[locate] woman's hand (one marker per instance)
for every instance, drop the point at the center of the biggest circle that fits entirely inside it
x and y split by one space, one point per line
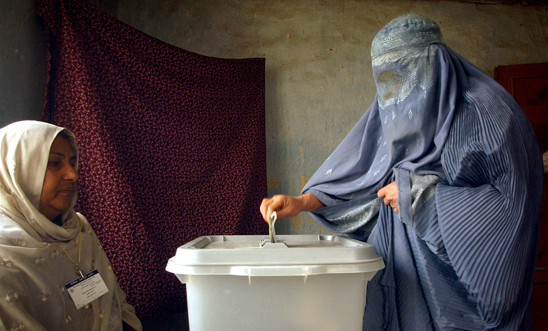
390 195
287 206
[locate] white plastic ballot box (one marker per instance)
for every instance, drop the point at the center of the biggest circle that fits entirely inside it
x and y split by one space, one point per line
301 282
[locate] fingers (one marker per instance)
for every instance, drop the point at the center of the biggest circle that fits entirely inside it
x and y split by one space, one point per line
268 206
394 206
392 203
382 193
271 208
389 194
387 198
284 205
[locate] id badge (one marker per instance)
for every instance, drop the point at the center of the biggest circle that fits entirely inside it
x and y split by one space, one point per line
87 289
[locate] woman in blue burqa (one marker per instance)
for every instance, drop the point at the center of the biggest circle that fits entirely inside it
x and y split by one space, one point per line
443 176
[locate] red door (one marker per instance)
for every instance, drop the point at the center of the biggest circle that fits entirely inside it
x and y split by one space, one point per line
528 83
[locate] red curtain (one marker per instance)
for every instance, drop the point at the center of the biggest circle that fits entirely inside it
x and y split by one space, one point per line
172 143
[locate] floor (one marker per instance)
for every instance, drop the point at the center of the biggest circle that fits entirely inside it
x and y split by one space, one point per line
170 323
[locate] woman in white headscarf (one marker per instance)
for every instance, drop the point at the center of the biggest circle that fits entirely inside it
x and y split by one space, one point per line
443 176
54 274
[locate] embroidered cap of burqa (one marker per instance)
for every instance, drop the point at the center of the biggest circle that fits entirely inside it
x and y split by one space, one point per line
469 178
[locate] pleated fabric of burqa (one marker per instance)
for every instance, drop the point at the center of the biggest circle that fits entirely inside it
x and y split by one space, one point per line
460 253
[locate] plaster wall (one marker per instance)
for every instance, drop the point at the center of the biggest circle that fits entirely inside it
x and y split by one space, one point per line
318 73
22 62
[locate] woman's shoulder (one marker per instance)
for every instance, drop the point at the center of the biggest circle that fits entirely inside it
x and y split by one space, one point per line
11 232
81 218
86 226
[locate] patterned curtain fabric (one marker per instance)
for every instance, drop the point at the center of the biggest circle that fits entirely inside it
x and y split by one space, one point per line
172 143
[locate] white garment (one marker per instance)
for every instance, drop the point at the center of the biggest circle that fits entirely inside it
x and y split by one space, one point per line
35 253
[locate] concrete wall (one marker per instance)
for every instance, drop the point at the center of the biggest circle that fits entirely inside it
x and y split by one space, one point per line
22 62
318 72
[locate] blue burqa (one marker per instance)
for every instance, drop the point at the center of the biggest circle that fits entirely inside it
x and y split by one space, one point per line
460 253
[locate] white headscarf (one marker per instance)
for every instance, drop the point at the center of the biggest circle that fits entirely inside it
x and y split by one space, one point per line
24 151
